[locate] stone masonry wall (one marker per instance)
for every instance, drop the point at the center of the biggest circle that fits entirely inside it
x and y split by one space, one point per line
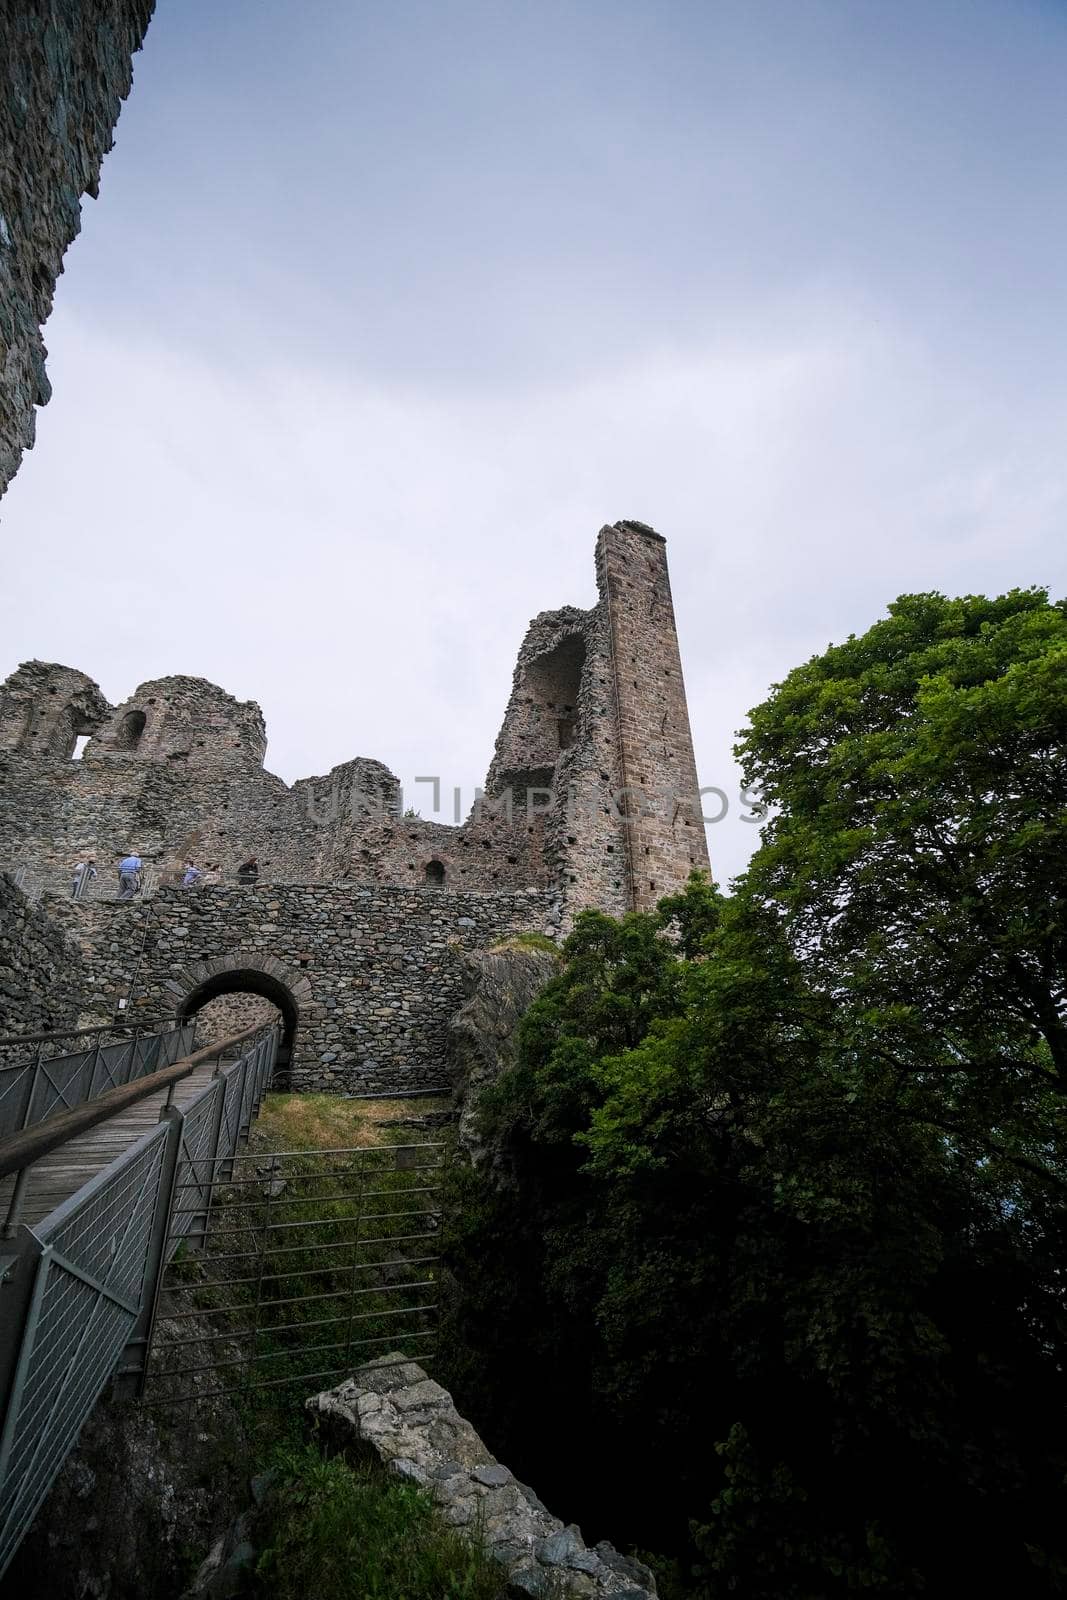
393 1411
370 970
590 800
177 772
591 793
65 68
41 977
665 833
233 1013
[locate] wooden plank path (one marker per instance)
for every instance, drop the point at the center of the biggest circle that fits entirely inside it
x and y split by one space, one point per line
56 1176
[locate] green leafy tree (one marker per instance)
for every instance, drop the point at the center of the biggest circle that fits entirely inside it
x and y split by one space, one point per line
919 850
783 1234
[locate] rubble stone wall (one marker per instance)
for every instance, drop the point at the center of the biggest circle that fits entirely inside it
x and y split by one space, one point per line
591 792
41 978
65 69
393 1411
590 800
233 1013
371 974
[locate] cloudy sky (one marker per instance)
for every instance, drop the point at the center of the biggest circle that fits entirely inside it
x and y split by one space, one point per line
386 307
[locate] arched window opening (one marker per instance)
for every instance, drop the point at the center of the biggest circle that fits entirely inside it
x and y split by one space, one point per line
130 730
434 873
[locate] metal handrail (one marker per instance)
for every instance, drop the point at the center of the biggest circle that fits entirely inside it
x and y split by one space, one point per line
79 1289
80 1033
21 1150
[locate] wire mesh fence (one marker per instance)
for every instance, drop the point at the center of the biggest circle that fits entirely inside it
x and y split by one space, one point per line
85 1302
81 1288
307 1264
46 1074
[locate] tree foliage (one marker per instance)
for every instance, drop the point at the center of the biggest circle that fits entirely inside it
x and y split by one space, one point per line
782 1250
918 851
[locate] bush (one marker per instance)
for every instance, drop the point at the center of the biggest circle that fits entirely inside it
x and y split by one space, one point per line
345 1532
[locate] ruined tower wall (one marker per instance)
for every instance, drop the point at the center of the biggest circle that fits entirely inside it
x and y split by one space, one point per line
585 836
591 793
664 832
176 771
352 926
44 707
65 69
185 721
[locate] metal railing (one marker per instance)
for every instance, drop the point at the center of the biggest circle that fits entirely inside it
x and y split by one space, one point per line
44 1074
299 1265
78 1291
35 880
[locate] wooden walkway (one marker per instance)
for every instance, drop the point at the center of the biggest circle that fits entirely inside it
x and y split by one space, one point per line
58 1175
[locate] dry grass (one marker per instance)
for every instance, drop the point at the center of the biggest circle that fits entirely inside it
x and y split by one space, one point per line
326 1122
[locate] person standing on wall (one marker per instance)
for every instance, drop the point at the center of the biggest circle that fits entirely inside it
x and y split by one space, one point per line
191 875
84 873
129 876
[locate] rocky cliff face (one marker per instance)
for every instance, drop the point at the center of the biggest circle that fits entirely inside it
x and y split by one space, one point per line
501 985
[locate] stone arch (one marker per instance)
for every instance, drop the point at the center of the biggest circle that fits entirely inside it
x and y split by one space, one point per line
240 972
434 873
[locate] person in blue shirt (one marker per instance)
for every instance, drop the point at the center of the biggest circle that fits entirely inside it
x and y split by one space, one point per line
191 874
129 876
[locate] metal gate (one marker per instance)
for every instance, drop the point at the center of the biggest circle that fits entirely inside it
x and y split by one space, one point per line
294 1267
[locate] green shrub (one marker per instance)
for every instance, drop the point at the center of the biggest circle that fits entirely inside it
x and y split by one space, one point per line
344 1532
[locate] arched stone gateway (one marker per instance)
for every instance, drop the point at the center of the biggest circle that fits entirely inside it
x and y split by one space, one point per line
241 972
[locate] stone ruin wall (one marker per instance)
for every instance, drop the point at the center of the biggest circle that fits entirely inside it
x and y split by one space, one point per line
65 69
42 981
228 1014
665 831
375 972
597 709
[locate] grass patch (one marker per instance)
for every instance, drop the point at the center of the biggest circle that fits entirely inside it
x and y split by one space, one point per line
326 1122
526 941
316 1260
347 1532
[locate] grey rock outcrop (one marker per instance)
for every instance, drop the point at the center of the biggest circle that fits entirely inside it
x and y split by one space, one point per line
391 1409
501 985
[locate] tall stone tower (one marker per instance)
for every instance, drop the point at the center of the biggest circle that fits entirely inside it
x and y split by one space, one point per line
663 830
